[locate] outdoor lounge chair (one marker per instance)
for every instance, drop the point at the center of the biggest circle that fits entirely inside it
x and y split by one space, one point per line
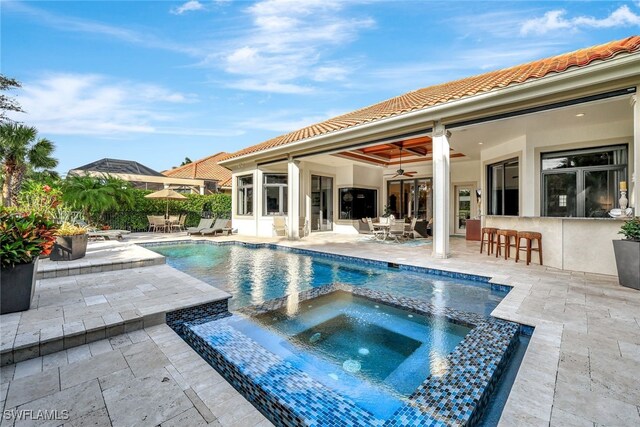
279 226
107 234
220 226
202 225
378 234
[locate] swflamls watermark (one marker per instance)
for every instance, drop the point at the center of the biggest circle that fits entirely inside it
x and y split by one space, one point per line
39 414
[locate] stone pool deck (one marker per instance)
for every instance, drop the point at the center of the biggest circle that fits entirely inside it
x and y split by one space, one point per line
582 366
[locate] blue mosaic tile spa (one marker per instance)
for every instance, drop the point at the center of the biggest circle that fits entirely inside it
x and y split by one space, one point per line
361 353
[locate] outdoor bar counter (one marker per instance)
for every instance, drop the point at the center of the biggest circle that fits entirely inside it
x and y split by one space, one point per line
578 244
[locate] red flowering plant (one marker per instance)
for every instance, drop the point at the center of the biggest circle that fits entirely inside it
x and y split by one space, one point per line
38 198
24 237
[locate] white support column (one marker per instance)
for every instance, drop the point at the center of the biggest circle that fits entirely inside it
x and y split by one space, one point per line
441 180
634 196
293 199
202 190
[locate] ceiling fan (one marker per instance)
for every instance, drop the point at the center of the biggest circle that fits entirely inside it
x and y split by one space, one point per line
400 171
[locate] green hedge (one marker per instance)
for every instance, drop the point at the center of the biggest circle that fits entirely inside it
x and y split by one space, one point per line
135 218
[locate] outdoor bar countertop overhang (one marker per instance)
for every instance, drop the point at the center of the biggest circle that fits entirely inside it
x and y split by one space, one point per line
569 243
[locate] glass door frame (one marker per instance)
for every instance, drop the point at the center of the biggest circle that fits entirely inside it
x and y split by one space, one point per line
471 186
329 205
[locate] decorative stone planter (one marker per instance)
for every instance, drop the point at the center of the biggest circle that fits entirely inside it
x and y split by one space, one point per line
68 248
17 285
628 262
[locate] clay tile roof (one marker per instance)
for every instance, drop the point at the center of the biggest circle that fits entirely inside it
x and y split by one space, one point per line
450 91
206 168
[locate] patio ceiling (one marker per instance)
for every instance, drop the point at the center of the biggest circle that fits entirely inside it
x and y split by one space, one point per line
413 150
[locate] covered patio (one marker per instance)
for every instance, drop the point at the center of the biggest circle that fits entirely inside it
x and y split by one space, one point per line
542 147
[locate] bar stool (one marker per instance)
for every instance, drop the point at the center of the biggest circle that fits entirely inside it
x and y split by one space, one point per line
490 232
529 236
508 234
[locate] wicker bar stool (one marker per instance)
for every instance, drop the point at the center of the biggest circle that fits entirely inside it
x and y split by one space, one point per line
507 234
490 233
529 236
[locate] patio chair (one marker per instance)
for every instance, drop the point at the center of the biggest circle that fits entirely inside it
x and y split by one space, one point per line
178 224
279 226
397 231
220 226
411 228
156 223
202 225
303 227
378 234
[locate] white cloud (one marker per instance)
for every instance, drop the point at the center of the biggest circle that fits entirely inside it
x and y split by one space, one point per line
286 48
190 6
556 20
90 104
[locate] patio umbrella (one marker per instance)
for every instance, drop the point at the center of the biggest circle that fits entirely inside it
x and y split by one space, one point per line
166 194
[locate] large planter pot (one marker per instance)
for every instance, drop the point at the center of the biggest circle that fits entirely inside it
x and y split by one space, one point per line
17 285
68 248
628 262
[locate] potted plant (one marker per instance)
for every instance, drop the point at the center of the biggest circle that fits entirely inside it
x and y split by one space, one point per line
627 252
71 243
23 237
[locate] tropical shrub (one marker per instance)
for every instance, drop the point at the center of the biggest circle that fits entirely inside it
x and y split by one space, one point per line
24 237
95 195
631 229
40 199
20 152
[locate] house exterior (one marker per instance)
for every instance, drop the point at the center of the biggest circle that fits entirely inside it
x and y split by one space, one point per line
545 146
217 178
140 176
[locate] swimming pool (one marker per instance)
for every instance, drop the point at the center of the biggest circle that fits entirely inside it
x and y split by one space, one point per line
293 361
256 274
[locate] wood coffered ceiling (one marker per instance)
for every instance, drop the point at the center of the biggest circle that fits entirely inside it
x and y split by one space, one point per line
413 150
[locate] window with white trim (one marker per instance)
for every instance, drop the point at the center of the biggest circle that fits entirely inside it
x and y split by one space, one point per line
245 195
274 200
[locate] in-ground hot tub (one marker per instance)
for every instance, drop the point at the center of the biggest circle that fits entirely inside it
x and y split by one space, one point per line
342 355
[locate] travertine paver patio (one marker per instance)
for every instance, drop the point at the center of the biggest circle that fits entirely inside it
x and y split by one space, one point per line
146 377
581 367
72 310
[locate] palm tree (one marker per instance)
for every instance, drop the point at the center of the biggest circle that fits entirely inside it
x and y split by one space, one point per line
96 194
21 149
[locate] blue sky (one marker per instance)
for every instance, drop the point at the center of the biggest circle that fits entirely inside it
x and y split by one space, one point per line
155 81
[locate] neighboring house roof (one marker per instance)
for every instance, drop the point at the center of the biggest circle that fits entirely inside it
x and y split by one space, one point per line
206 168
113 166
450 91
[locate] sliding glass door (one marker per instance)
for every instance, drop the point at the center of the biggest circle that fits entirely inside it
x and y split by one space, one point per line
321 203
410 198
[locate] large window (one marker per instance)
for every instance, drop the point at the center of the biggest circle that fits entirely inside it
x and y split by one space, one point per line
357 203
582 183
408 198
504 188
245 195
275 195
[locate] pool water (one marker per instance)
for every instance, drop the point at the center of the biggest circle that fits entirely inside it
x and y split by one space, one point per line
375 354
392 348
253 276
